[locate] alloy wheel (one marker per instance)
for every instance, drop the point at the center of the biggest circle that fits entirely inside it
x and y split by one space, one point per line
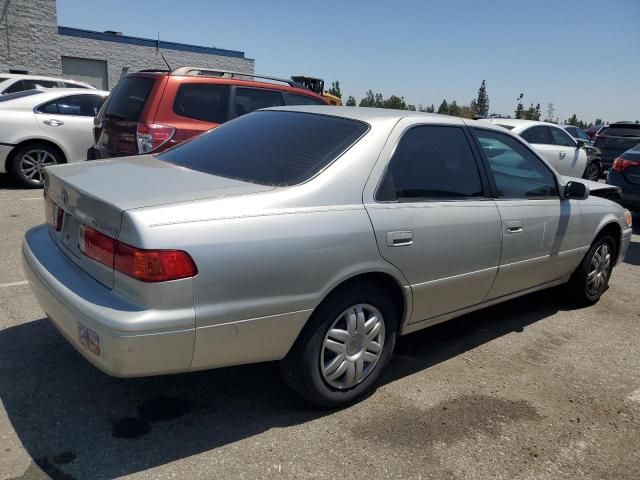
599 269
352 346
33 162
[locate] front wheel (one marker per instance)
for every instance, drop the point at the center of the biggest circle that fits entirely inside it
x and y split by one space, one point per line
593 172
591 278
342 350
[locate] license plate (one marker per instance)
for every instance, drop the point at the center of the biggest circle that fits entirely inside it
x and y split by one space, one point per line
89 339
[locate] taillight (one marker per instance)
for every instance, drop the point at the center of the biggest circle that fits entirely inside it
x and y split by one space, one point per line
154 265
97 246
143 265
151 136
620 164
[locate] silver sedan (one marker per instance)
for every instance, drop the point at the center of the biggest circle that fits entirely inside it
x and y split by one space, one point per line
310 235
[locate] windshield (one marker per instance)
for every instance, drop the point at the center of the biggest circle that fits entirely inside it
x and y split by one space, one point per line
274 148
622 131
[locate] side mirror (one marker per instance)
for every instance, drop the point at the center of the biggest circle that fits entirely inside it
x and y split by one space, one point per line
579 143
576 190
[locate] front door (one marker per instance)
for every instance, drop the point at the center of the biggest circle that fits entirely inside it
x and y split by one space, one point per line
540 230
432 219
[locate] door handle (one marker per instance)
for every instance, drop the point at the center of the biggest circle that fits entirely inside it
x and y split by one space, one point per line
514 226
563 154
53 122
399 239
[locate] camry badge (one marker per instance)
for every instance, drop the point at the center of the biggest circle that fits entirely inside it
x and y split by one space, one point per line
64 196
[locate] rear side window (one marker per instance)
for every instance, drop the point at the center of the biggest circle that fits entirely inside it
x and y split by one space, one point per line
560 137
431 163
201 101
622 131
77 105
250 99
269 148
295 99
16 87
518 173
538 134
128 99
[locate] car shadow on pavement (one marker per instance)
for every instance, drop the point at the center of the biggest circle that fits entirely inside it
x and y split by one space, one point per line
76 422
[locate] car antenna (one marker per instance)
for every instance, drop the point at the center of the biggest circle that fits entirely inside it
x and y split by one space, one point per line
158 50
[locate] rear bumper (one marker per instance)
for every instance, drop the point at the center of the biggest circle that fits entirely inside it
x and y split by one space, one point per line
5 150
73 300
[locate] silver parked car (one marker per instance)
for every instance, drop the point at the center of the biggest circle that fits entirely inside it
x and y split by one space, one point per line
310 235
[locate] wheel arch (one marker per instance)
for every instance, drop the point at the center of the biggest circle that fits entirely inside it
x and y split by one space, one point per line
398 289
27 141
611 228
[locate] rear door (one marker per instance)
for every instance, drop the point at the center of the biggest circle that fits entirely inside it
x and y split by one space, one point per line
432 218
572 161
193 106
540 230
539 137
69 120
116 125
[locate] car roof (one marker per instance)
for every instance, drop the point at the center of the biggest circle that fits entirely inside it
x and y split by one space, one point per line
12 76
46 95
371 115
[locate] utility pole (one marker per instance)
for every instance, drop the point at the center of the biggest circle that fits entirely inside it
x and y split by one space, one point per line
550 109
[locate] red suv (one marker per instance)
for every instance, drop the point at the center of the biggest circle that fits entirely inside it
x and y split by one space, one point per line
150 111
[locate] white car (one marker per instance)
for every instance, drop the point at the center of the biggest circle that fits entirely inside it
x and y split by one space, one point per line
39 128
555 146
13 83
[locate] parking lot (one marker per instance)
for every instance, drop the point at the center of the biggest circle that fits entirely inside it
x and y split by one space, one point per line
531 389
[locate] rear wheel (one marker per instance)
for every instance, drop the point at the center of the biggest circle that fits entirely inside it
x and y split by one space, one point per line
344 347
29 161
591 278
592 172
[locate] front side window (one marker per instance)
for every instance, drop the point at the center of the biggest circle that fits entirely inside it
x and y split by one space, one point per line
539 134
517 172
431 163
269 148
560 137
250 99
77 105
296 99
202 101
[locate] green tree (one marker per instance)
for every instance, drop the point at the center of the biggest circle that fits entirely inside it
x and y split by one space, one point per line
532 113
443 108
520 108
599 121
481 105
411 108
351 102
335 89
454 109
431 109
369 100
395 102
572 120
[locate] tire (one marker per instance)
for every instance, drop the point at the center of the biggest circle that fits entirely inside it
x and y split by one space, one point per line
312 367
593 172
28 161
591 278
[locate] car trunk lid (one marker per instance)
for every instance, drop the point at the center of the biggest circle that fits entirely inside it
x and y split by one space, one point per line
96 194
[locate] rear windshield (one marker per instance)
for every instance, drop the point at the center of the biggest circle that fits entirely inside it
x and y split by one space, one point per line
622 131
269 148
128 99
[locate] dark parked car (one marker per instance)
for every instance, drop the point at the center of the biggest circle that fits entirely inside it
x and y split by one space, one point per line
616 139
625 173
593 131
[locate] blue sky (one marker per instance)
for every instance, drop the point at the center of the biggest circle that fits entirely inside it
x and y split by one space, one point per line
582 55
